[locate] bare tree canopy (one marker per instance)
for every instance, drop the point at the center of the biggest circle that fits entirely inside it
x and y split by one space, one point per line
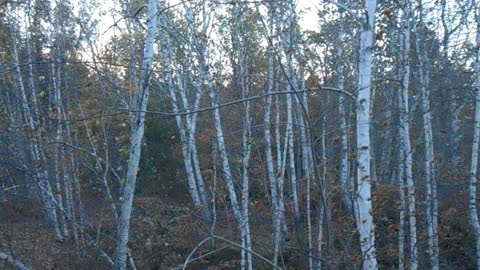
265 134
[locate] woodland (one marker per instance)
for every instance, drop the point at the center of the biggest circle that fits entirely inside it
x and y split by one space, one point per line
226 134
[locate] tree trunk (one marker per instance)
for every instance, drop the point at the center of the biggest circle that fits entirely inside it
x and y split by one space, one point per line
268 140
136 136
40 174
401 225
405 136
430 182
344 163
476 138
363 200
185 140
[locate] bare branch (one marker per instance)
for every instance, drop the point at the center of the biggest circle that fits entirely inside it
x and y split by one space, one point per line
319 88
249 251
12 260
344 7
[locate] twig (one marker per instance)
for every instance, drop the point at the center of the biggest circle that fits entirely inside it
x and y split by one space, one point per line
247 250
319 88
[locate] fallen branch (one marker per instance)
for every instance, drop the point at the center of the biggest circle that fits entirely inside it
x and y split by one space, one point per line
247 250
12 260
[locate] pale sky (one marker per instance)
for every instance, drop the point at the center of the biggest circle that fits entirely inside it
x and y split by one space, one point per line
308 20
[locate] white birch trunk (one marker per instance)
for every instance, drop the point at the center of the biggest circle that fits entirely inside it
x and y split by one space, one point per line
430 182
59 139
405 136
363 200
136 136
281 164
246 150
268 142
291 151
278 136
192 128
185 142
344 163
321 214
476 138
307 163
35 145
401 225
223 154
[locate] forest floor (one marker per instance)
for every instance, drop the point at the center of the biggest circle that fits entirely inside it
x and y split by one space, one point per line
161 237
165 232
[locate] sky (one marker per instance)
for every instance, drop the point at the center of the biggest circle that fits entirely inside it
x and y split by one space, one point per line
308 19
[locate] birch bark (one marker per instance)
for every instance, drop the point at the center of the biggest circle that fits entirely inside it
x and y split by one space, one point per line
186 150
401 225
405 135
223 150
430 182
57 161
344 163
246 151
136 136
363 202
476 138
36 145
268 136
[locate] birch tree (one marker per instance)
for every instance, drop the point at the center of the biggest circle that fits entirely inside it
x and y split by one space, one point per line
288 42
430 181
41 178
406 147
185 126
344 166
136 136
475 224
267 134
363 201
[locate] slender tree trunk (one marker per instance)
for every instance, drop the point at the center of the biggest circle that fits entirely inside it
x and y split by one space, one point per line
281 164
136 136
401 225
268 141
405 136
363 200
58 139
222 148
185 140
430 182
192 128
476 138
291 150
344 163
246 150
36 145
289 41
307 162
321 215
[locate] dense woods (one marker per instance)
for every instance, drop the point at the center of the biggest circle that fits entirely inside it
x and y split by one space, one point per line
264 134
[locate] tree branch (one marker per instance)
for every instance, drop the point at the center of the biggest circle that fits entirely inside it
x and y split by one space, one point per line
229 103
247 250
12 260
344 7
